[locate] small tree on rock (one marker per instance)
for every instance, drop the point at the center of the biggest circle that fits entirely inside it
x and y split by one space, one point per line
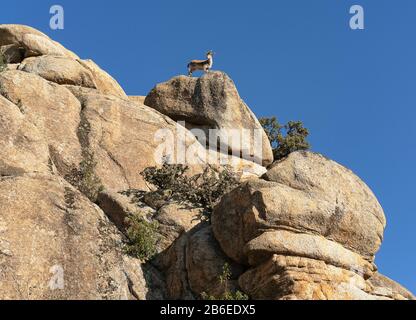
285 139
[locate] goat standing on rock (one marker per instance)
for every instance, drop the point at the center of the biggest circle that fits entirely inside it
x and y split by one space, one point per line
204 65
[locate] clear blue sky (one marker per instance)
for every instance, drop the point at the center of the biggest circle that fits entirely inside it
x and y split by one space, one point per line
299 60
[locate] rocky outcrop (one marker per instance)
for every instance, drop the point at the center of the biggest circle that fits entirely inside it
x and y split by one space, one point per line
306 193
193 264
309 230
119 207
55 244
286 277
175 220
137 99
111 124
22 144
60 70
31 41
99 118
12 53
338 204
211 102
99 124
205 262
58 111
104 83
46 106
384 287
40 55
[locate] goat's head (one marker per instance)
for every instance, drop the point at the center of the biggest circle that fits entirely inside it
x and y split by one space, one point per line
210 53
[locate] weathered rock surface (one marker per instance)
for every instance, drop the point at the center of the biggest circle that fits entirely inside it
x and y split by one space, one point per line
60 70
49 230
101 124
12 53
300 278
307 231
121 135
32 41
309 194
56 90
193 265
118 208
22 145
210 102
42 56
47 106
174 220
351 213
103 81
137 99
205 262
304 245
387 288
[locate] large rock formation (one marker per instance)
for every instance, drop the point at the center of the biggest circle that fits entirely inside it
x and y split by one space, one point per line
55 244
53 62
57 111
211 102
308 229
31 42
95 123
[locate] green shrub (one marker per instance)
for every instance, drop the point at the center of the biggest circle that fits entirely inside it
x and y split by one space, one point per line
224 279
70 198
203 190
85 179
287 138
142 236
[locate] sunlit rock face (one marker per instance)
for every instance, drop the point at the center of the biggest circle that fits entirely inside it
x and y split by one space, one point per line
309 229
212 102
305 228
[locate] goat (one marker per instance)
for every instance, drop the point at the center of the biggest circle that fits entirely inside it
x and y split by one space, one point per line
204 65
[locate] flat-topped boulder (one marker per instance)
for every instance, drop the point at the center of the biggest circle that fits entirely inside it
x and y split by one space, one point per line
211 102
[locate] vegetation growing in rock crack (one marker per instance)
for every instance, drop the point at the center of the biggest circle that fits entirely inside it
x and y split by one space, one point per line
142 237
202 190
85 179
287 138
70 199
227 294
3 62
